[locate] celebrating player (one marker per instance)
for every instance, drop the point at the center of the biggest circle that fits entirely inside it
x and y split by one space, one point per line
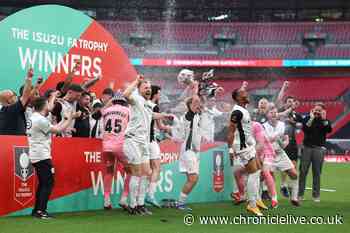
275 131
190 148
264 152
115 119
242 144
266 155
154 147
137 138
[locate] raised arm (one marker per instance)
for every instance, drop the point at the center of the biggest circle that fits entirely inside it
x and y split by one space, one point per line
27 87
111 84
285 113
244 86
39 83
191 89
89 83
281 94
69 79
311 119
129 90
52 100
327 126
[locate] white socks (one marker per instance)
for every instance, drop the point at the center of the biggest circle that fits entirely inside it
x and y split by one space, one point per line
134 190
294 185
182 198
152 189
253 188
142 190
263 186
123 200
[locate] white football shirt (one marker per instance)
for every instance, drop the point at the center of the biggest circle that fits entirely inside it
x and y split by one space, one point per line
192 127
66 108
208 123
141 111
39 138
247 130
275 131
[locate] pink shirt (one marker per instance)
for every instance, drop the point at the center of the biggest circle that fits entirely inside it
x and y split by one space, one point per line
115 120
266 153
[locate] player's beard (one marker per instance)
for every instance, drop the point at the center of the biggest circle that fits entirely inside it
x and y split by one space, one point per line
147 95
246 101
188 81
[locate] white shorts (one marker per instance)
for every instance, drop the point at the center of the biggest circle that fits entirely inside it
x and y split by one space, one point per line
189 162
246 155
135 152
280 163
154 150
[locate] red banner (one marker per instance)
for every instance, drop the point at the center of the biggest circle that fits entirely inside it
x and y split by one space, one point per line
18 185
74 160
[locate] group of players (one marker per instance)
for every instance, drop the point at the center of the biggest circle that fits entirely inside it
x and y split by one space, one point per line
129 137
129 121
256 150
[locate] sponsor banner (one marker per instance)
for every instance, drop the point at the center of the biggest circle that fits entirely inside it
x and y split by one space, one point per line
239 63
79 172
33 37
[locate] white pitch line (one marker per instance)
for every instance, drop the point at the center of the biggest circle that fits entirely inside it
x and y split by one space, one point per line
325 190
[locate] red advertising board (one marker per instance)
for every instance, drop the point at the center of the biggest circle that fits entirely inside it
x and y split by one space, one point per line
18 186
74 160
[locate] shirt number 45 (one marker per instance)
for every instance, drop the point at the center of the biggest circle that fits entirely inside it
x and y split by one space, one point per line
115 128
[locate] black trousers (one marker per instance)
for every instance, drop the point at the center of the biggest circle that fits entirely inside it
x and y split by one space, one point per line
311 156
46 182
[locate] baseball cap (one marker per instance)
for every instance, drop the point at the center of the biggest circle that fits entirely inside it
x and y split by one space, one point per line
118 96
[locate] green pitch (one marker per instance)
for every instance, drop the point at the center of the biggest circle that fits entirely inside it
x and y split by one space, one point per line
335 176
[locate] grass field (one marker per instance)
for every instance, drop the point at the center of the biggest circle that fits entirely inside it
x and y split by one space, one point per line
335 176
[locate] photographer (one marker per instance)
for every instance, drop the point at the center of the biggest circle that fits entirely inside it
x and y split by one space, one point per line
315 127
